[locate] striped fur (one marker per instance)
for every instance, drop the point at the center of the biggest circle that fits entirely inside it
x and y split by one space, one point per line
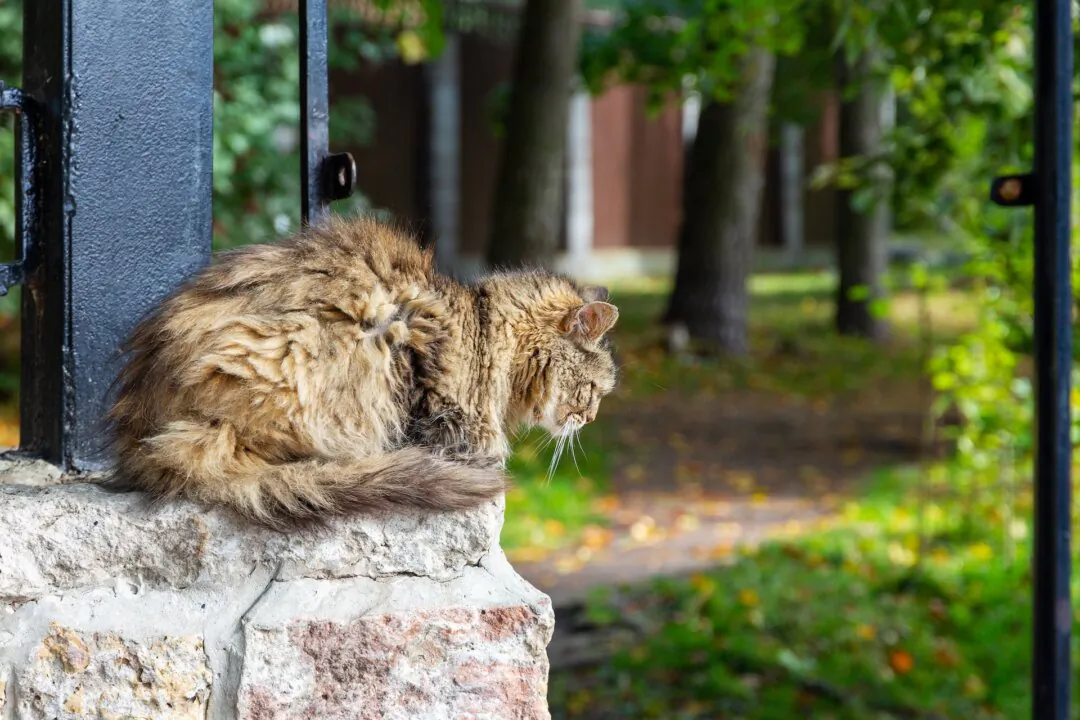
337 372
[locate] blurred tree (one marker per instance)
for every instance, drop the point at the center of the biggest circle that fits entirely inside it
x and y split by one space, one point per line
526 222
940 52
725 51
724 177
863 221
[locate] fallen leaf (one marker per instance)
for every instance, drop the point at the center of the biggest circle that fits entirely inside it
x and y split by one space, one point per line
686 522
749 597
554 528
901 662
595 537
741 481
568 564
606 504
527 554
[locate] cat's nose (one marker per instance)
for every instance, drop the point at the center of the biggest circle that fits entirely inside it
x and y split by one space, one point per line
590 415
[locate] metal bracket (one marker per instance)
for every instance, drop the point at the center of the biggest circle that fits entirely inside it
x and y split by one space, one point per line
27 219
340 178
1013 190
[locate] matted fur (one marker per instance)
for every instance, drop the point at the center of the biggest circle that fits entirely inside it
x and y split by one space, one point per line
338 372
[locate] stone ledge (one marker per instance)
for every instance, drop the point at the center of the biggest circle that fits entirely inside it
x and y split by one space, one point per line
70 537
111 609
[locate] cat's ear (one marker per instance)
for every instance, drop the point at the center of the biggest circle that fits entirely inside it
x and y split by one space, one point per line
595 293
591 320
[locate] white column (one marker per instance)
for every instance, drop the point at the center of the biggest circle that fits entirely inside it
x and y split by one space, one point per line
792 180
444 173
579 201
691 109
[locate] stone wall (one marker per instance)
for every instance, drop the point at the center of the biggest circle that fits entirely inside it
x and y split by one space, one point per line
112 609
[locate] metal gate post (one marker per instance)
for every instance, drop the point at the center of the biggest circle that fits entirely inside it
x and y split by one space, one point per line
324 177
1049 189
124 91
1053 357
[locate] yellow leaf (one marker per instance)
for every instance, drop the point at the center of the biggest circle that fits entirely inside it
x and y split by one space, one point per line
974 686
645 530
741 481
568 564
981 551
866 632
687 522
554 528
527 554
749 598
595 537
704 584
410 47
606 504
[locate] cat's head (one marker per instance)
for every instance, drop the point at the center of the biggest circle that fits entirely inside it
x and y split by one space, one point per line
571 364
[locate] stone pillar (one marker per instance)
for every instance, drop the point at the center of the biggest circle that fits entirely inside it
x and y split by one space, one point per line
444 91
111 609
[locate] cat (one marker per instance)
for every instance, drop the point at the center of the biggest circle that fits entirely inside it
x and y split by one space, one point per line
337 372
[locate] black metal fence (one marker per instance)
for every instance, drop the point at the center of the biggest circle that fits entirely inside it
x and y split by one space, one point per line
114 166
115 136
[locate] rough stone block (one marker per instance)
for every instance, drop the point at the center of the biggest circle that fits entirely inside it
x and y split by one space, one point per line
76 536
82 675
113 609
397 650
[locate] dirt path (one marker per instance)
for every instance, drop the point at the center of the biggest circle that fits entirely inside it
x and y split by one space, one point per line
696 477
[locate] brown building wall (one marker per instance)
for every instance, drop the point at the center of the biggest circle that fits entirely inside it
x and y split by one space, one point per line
637 158
391 170
485 65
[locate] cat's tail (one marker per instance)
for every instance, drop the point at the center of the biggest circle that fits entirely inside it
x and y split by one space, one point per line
308 492
304 493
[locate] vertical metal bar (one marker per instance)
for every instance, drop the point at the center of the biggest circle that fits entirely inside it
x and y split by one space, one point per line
125 141
314 110
1053 358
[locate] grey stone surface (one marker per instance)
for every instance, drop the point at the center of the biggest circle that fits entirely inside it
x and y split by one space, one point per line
399 649
76 536
110 609
72 674
18 470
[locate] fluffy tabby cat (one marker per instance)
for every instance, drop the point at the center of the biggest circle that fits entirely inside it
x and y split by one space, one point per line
338 372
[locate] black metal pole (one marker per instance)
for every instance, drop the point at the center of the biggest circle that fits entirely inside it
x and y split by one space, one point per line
325 177
1053 357
314 109
125 142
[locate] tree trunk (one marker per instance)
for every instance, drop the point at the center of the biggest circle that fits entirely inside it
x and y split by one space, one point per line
527 219
721 204
862 234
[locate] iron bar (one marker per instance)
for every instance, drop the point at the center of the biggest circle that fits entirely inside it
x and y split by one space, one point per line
27 206
125 147
314 110
1053 358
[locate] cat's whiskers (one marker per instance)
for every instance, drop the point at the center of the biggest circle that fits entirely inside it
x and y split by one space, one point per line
560 448
573 425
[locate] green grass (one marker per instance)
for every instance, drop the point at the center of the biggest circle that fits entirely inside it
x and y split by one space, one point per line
546 514
853 623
